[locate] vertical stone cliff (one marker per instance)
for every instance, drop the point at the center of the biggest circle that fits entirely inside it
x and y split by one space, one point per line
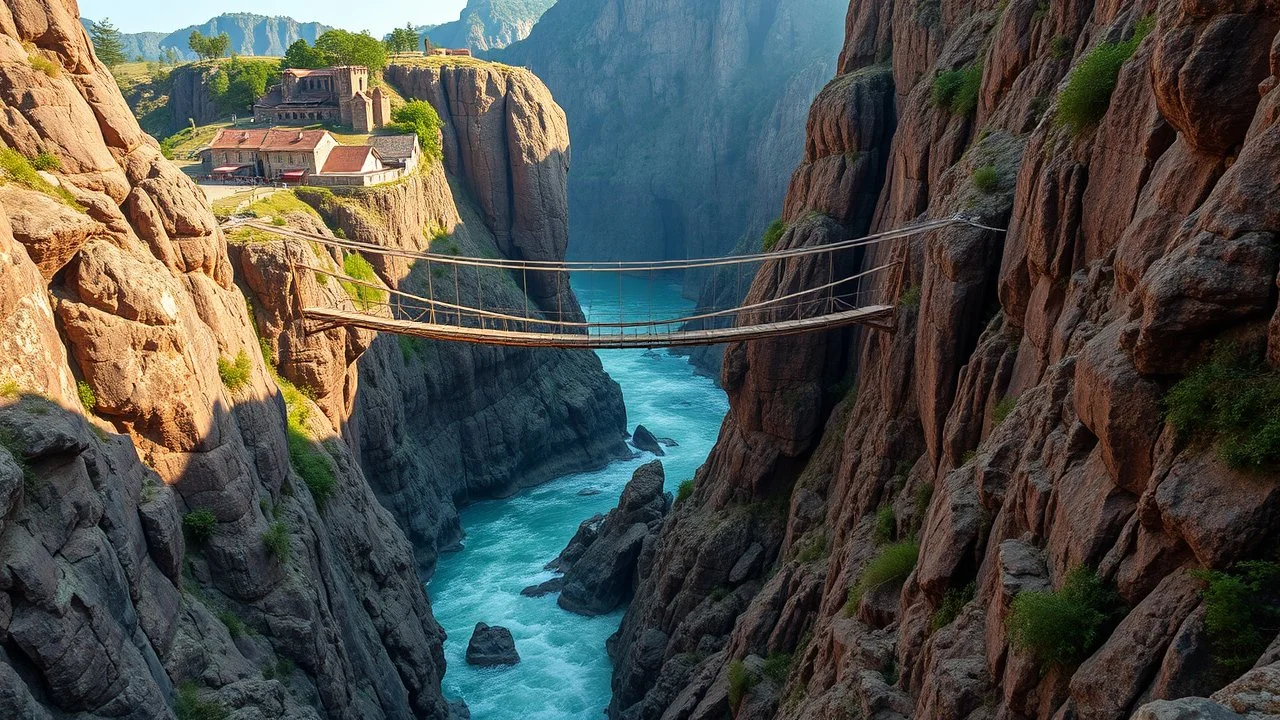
876 501
687 114
190 479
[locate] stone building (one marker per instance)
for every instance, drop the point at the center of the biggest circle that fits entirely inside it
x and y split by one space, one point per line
335 95
310 157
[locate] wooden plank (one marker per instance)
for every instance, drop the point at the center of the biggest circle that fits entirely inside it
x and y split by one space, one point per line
877 316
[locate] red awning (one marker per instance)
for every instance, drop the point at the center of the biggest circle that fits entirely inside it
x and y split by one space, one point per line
226 169
293 174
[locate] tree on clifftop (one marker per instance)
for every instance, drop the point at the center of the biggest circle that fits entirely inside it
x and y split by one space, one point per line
402 40
301 55
340 47
208 47
106 42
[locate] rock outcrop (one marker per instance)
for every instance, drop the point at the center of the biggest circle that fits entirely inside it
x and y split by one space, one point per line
600 561
644 440
642 80
490 646
1013 427
185 515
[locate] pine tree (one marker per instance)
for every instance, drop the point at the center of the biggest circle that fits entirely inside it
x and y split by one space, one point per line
106 42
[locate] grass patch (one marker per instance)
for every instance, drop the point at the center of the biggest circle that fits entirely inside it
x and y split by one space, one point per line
1002 410
1061 47
777 666
281 669
276 538
685 491
312 466
357 268
199 525
235 626
44 65
88 399
235 373
1242 614
15 447
952 603
1062 627
1233 401
957 90
17 169
278 204
740 683
814 549
886 525
47 162
894 563
773 234
9 388
986 179
1085 99
910 297
187 705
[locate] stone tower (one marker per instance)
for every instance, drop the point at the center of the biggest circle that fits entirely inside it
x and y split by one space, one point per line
381 107
348 81
360 109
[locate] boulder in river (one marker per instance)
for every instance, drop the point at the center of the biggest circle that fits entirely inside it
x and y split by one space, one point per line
491 645
555 584
644 440
578 544
587 492
601 577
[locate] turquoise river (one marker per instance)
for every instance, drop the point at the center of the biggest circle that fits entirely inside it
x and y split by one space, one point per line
564 671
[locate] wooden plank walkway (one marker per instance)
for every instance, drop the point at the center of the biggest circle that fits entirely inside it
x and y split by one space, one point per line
878 316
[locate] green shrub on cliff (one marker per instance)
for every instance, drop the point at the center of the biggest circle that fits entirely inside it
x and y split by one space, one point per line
952 603
17 169
986 179
199 525
357 268
741 681
1242 614
1061 627
46 161
773 234
1002 410
885 526
894 563
1232 400
420 118
312 466
88 399
276 538
685 491
235 373
187 705
1087 95
957 90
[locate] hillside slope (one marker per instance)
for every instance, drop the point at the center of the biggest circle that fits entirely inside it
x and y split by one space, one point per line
250 34
1067 423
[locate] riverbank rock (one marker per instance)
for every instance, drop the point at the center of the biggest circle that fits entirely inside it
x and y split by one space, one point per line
644 440
602 577
553 585
490 646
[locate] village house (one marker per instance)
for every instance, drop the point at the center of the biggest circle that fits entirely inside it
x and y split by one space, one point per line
336 95
310 157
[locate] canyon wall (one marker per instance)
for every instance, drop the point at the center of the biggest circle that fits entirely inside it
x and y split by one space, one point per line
1044 416
687 115
186 520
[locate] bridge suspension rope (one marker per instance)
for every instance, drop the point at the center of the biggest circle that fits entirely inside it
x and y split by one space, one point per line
796 296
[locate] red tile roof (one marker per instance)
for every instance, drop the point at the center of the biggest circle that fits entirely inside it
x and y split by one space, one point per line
268 140
228 139
347 159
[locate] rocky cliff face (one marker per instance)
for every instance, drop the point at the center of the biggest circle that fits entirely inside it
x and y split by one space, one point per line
185 518
687 114
1042 419
489 24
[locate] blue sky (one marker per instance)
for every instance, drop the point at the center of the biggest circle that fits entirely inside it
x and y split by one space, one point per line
377 16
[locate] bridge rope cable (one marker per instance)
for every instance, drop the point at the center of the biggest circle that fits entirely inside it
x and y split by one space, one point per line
458 309
616 266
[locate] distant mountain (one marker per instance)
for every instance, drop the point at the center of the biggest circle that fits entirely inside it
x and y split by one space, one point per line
250 35
489 24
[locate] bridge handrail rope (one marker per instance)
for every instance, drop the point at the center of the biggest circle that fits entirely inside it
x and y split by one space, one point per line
458 309
615 266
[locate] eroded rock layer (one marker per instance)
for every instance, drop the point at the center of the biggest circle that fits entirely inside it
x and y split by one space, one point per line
1013 427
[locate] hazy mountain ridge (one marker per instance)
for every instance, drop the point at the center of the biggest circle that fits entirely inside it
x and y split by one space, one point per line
489 24
251 34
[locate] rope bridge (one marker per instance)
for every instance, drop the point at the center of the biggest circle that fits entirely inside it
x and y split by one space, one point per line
814 288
